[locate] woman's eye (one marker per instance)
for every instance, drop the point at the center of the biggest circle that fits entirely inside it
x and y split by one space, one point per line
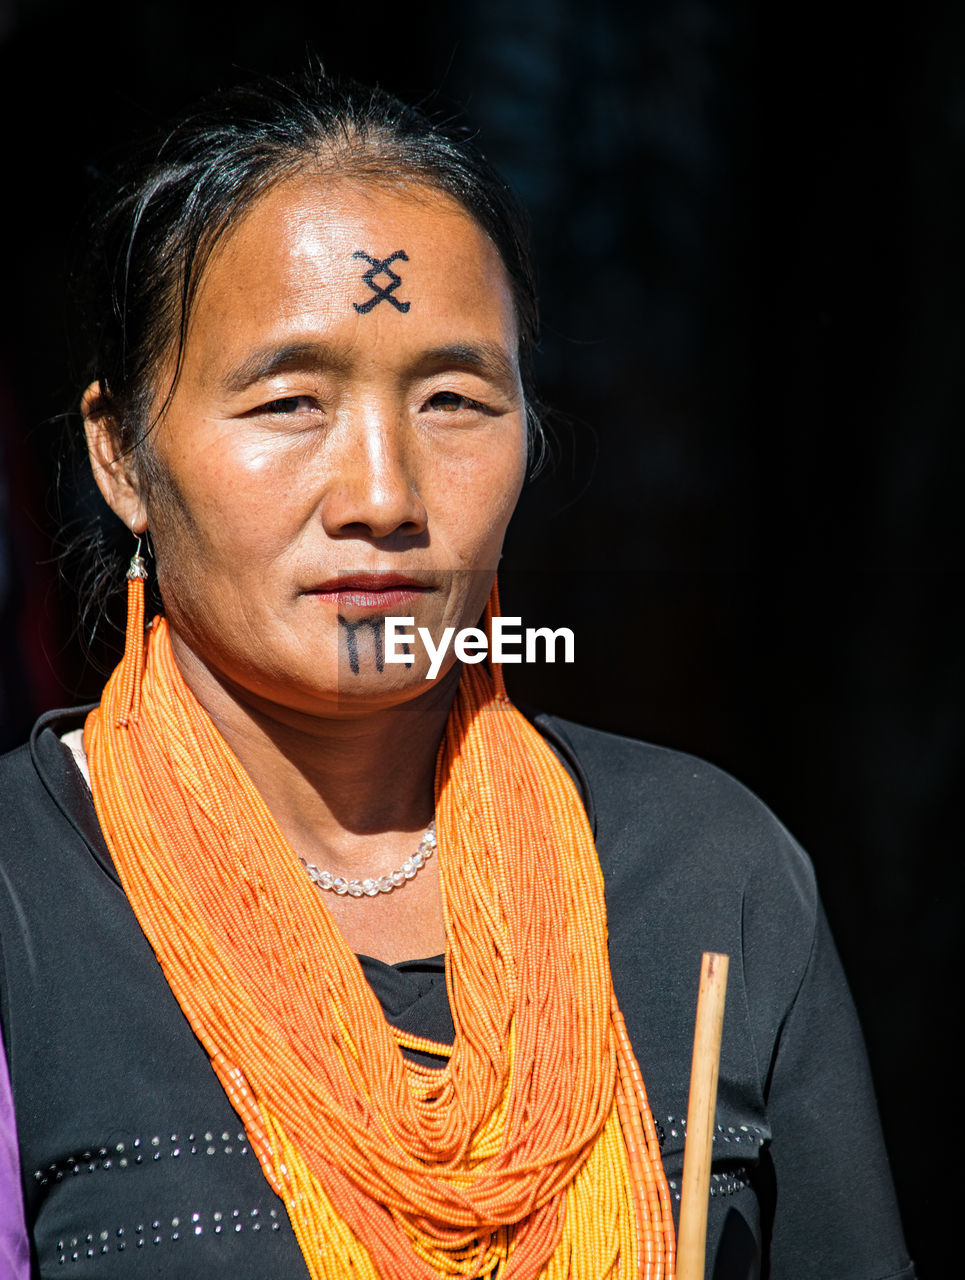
286 405
451 401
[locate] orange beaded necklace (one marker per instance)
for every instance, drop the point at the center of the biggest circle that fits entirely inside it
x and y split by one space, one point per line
532 1152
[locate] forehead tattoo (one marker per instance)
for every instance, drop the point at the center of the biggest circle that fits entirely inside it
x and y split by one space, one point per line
381 292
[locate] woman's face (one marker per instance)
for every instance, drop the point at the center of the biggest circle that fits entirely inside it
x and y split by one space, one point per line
346 441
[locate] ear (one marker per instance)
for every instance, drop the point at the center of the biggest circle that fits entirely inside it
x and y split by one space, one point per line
113 469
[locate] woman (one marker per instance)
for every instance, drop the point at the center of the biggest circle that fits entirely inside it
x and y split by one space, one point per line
225 935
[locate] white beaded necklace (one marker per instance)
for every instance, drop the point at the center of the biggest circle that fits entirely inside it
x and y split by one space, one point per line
383 884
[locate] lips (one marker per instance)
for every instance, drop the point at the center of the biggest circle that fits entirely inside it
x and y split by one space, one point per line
369 590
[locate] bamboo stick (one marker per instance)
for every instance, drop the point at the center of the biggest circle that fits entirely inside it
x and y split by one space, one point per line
701 1110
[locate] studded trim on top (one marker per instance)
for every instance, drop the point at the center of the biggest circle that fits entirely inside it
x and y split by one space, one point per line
184 1226
125 1155
747 1134
725 1183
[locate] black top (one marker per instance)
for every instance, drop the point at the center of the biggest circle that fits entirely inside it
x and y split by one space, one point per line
133 1159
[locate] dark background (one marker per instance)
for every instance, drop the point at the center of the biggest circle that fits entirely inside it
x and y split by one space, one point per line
748 222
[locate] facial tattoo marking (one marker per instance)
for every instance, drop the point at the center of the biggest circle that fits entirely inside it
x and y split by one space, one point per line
351 643
381 293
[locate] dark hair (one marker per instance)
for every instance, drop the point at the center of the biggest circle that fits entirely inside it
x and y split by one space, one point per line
182 191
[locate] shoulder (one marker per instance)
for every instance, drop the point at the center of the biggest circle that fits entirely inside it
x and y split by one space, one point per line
648 799
693 861
27 765
42 791
17 773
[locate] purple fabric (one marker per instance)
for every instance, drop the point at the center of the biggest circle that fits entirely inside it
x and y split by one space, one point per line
14 1250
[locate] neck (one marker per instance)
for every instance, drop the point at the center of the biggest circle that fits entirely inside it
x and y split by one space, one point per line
337 786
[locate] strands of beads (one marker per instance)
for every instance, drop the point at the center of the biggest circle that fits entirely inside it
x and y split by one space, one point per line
531 1152
132 668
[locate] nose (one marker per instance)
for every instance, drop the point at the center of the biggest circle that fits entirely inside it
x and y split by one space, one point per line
373 489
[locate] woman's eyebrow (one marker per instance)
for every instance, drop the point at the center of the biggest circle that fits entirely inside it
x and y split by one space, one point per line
488 359
265 362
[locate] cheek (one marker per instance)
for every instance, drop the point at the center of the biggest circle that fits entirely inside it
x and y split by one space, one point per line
496 491
224 502
238 469
475 496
